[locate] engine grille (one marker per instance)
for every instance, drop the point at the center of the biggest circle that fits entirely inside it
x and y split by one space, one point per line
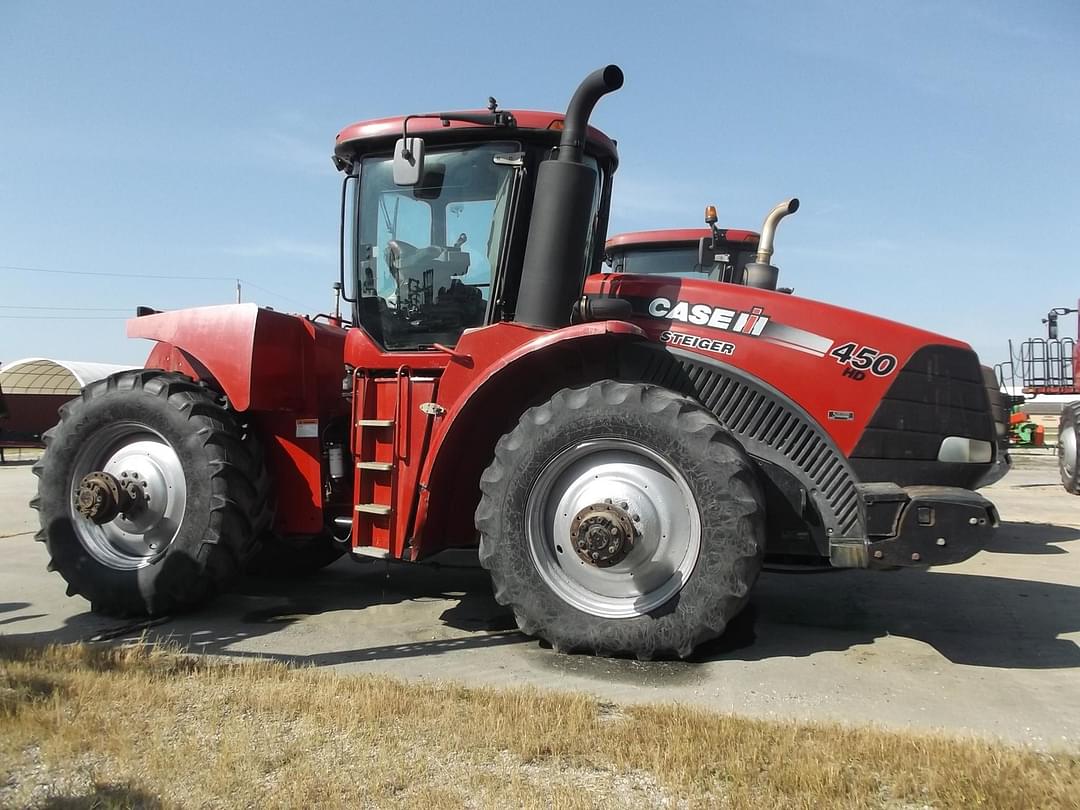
940 392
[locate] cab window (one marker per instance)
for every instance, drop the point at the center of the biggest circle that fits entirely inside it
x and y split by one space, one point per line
427 252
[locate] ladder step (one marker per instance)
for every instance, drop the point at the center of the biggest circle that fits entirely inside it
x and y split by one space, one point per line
384 466
375 422
373 508
371 551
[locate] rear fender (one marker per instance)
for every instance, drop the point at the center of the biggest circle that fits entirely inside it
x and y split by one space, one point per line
254 355
284 370
489 406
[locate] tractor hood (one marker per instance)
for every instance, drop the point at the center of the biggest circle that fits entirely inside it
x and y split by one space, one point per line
836 362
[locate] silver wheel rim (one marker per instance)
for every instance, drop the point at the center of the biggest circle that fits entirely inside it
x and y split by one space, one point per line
1067 450
132 451
668 527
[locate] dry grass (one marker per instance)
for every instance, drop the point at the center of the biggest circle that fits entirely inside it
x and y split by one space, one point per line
115 727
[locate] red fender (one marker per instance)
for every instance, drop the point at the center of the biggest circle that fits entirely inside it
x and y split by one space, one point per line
253 354
485 401
285 369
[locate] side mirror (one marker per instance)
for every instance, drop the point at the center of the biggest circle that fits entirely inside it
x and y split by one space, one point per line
408 161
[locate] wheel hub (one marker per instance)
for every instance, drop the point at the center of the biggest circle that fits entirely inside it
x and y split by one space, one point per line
100 497
129 495
602 534
603 484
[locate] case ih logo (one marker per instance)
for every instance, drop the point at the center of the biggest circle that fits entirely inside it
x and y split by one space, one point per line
754 323
746 323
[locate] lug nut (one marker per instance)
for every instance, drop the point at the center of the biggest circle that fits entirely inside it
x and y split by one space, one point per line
915 557
941 541
878 554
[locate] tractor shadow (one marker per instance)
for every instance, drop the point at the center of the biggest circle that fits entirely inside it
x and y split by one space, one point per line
968 618
355 614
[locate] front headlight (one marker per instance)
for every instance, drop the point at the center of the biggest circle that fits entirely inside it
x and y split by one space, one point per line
960 450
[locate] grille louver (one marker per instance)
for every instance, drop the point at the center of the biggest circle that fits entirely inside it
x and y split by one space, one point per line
771 429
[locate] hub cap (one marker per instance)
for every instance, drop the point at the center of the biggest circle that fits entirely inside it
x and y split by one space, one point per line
128 495
613 528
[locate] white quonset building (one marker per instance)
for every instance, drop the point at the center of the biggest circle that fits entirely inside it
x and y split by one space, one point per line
33 389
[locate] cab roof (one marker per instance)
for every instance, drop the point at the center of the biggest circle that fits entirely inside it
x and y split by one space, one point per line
660 238
350 138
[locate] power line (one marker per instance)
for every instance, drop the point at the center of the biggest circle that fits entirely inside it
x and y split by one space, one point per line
134 276
271 292
115 275
80 309
66 317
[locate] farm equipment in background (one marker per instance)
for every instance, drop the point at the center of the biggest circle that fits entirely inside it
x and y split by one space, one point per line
1023 432
1046 367
626 450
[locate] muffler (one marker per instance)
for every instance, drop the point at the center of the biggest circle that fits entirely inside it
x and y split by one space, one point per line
553 271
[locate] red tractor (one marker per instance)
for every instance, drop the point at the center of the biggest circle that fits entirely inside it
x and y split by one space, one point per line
627 450
719 254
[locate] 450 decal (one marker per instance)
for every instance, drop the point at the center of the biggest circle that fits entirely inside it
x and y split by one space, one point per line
861 359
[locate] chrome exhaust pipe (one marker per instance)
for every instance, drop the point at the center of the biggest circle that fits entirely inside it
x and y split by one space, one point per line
768 229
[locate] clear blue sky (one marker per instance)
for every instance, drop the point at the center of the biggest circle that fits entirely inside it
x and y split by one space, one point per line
934 145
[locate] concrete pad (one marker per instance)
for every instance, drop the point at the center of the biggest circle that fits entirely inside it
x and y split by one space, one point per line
988 647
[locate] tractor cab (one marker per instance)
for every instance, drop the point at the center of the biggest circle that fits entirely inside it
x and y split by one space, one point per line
678 253
437 250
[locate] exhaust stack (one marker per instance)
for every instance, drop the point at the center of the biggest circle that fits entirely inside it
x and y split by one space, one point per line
553 271
761 273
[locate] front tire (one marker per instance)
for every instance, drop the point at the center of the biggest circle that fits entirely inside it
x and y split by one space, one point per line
1068 440
203 494
653 471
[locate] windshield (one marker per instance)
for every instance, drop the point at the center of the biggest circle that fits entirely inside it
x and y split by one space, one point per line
682 262
427 252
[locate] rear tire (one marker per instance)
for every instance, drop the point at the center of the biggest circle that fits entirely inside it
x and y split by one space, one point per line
1068 440
207 486
679 486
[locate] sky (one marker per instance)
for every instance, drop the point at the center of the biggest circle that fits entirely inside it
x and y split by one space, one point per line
933 145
